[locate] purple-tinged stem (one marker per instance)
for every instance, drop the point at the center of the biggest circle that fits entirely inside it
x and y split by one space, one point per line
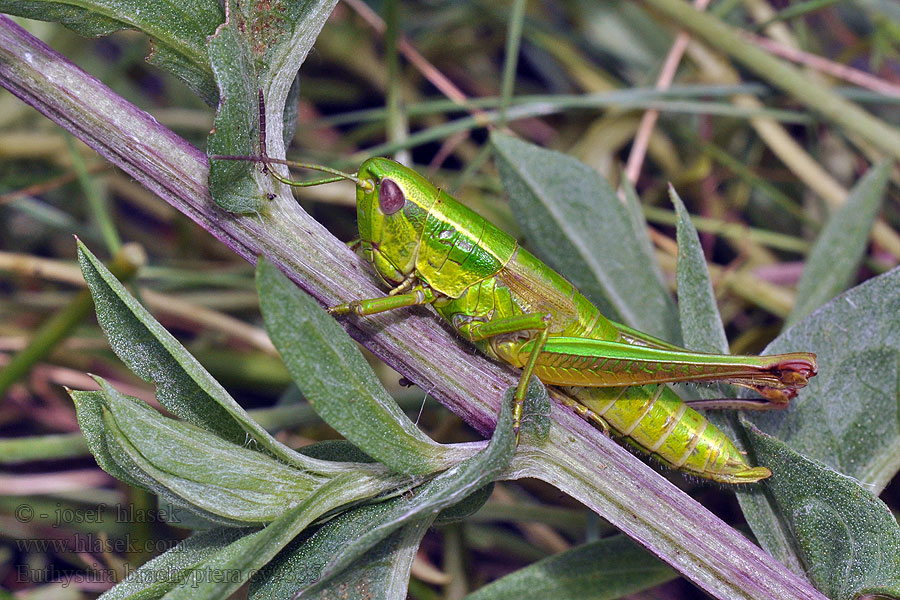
576 459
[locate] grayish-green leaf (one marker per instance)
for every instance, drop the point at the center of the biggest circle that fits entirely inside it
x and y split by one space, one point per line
847 539
606 569
89 408
184 464
306 568
428 500
465 508
183 386
535 412
382 573
226 571
188 461
175 567
701 324
259 48
178 30
177 517
575 222
834 259
306 560
848 416
339 383
235 185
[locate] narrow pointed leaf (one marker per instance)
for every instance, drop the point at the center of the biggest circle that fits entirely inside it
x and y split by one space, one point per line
701 324
249 554
305 562
428 500
382 572
308 566
575 223
834 259
188 462
184 464
246 556
338 382
183 386
89 408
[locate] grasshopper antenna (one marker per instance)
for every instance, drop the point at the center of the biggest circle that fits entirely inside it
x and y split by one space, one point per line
267 161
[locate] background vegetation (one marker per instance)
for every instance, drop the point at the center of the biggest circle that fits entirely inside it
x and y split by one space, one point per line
763 154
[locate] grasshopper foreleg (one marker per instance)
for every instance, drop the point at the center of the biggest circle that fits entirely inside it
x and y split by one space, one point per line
417 296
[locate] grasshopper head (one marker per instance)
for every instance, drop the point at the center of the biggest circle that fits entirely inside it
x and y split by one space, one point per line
392 202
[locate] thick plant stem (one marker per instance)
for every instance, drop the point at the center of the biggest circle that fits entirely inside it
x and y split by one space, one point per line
613 482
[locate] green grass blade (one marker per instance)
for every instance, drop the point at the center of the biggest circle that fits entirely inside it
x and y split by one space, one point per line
791 79
41 447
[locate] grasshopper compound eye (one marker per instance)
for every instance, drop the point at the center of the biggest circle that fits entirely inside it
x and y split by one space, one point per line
390 197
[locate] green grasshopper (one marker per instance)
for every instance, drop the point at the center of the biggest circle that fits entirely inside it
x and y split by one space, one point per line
430 249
